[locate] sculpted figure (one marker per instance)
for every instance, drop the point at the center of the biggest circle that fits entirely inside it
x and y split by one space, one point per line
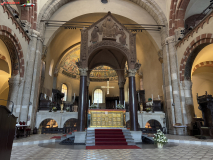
122 38
94 35
109 28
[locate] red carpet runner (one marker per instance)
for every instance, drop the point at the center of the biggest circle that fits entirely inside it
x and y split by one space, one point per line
110 139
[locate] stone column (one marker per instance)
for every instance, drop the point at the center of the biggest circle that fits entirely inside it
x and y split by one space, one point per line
133 101
14 83
35 84
170 117
29 76
121 92
82 99
174 79
189 106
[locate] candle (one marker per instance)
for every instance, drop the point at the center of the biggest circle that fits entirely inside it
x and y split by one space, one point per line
116 104
124 104
119 102
152 98
158 97
98 103
138 97
89 102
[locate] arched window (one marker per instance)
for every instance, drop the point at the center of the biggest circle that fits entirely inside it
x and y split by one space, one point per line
98 96
64 90
51 67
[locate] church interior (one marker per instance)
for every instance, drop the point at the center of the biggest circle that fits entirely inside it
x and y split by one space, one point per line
106 75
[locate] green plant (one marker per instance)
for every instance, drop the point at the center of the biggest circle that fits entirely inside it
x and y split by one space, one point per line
160 137
68 109
148 109
93 106
54 109
120 106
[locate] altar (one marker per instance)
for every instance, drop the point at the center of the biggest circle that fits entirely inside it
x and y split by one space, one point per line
106 118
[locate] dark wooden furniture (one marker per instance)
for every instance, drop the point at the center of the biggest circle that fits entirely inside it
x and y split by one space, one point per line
44 104
57 96
58 130
141 99
7 131
110 102
206 106
157 105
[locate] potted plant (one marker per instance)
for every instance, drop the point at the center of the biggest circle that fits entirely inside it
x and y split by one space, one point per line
93 106
148 109
54 109
67 109
120 106
160 139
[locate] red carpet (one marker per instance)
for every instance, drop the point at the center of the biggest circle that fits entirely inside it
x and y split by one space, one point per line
110 139
113 147
56 137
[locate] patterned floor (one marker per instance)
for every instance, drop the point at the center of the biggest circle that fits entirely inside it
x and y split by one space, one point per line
171 152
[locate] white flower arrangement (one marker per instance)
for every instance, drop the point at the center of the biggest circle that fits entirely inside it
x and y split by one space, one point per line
160 137
120 106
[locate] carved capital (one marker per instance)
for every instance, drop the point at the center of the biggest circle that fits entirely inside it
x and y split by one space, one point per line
170 39
121 84
137 65
79 64
83 71
132 72
16 81
34 33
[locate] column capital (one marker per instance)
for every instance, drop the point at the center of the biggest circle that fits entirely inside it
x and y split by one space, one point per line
83 71
34 33
170 39
160 55
132 72
121 84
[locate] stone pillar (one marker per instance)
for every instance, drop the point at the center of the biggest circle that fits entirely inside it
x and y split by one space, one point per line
121 92
82 99
189 106
170 117
35 84
29 76
174 79
133 101
14 83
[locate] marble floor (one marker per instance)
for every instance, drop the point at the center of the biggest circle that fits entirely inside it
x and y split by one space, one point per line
77 152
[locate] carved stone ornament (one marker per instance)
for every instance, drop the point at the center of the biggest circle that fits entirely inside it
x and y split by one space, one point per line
170 39
79 64
132 72
137 65
121 84
83 71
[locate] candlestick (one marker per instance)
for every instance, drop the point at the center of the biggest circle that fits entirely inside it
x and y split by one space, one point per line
116 104
124 104
89 102
152 98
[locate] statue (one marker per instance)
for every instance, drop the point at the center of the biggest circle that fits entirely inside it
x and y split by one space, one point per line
109 28
62 108
141 108
94 35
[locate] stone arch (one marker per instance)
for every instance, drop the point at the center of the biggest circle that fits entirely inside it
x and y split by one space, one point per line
15 50
203 64
156 119
47 119
177 15
190 54
41 120
68 120
51 6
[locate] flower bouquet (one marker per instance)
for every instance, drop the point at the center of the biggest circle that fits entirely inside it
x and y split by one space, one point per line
120 106
67 109
160 139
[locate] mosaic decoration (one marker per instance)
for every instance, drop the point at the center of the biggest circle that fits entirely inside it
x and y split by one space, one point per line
97 74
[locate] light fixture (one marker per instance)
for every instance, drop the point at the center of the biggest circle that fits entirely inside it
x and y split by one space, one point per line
104 1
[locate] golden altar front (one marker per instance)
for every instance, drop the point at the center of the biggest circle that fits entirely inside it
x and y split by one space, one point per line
107 117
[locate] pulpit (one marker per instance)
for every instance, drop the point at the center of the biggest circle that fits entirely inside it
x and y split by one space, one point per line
106 118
